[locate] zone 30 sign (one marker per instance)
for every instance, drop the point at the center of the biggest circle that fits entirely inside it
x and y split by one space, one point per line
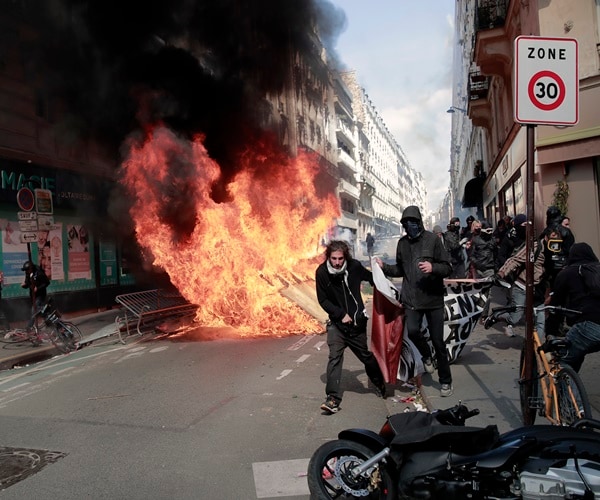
546 81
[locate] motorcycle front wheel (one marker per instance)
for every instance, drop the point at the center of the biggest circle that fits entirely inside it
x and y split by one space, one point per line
330 473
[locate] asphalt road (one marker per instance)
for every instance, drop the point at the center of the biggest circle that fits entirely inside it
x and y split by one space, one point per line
180 418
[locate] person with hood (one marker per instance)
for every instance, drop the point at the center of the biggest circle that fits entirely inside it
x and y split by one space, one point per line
483 250
571 290
513 240
556 249
37 282
465 232
455 249
423 262
338 282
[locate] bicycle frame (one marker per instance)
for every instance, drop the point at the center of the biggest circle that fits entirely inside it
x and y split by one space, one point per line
554 390
547 371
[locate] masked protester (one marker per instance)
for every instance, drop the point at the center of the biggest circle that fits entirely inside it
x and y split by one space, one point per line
513 241
423 262
452 243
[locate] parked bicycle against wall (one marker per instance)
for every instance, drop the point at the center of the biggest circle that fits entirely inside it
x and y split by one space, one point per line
47 325
547 387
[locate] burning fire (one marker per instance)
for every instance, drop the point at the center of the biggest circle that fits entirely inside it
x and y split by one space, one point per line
234 256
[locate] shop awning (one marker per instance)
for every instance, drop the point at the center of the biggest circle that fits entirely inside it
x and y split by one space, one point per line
473 195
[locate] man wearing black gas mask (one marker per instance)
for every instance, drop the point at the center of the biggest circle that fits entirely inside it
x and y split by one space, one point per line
423 262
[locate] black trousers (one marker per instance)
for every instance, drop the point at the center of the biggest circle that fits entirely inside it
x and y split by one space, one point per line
337 342
435 324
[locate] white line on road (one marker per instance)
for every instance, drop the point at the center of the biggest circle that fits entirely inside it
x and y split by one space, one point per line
303 358
284 373
318 345
16 387
297 345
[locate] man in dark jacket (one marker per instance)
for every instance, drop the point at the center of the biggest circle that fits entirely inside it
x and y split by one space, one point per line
513 240
570 291
338 282
423 263
455 249
37 282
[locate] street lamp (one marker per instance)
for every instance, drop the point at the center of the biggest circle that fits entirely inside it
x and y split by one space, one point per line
454 109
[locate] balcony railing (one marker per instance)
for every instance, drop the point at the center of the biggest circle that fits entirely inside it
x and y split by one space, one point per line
346 159
345 130
490 14
349 188
478 86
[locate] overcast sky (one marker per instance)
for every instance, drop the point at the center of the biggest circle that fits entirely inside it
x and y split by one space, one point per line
402 53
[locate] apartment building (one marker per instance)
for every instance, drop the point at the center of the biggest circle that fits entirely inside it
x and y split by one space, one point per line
489 149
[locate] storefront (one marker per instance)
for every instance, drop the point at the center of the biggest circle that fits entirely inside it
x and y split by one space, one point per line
67 233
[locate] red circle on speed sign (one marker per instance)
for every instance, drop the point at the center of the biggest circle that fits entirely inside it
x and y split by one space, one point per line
25 199
554 90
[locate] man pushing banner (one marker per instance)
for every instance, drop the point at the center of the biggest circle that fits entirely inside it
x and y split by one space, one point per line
398 358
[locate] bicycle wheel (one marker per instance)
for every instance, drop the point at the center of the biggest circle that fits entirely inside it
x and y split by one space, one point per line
573 402
528 387
57 338
70 333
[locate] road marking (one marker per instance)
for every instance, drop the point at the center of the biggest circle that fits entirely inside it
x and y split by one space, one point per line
68 368
303 358
159 349
284 373
297 345
318 345
285 478
16 387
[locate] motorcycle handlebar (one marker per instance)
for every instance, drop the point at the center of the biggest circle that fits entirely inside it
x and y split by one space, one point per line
457 415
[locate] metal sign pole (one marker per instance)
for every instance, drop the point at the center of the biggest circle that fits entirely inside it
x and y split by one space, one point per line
530 249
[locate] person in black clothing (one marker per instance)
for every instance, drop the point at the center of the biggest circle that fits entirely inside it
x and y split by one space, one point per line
37 282
423 262
513 240
370 240
570 291
3 316
338 282
455 249
465 232
556 250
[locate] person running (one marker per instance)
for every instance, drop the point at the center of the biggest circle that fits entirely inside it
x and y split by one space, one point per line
338 282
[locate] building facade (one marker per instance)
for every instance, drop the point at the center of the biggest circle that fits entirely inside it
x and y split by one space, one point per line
489 149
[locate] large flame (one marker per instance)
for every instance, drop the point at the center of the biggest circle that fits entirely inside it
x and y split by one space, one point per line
236 255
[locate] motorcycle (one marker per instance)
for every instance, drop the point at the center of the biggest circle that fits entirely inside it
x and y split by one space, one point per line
422 455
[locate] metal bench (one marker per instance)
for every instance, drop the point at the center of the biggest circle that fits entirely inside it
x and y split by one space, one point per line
147 308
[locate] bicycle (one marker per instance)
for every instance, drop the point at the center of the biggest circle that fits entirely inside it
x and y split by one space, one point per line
546 387
64 335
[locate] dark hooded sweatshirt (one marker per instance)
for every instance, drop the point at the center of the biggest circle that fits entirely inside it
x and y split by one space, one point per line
419 290
569 291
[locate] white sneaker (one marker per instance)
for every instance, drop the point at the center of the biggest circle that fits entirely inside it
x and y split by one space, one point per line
428 365
446 390
508 331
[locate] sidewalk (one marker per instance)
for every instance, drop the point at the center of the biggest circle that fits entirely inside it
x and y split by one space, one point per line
93 327
486 374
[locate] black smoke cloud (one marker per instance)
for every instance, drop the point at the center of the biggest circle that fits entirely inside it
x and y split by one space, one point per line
196 65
